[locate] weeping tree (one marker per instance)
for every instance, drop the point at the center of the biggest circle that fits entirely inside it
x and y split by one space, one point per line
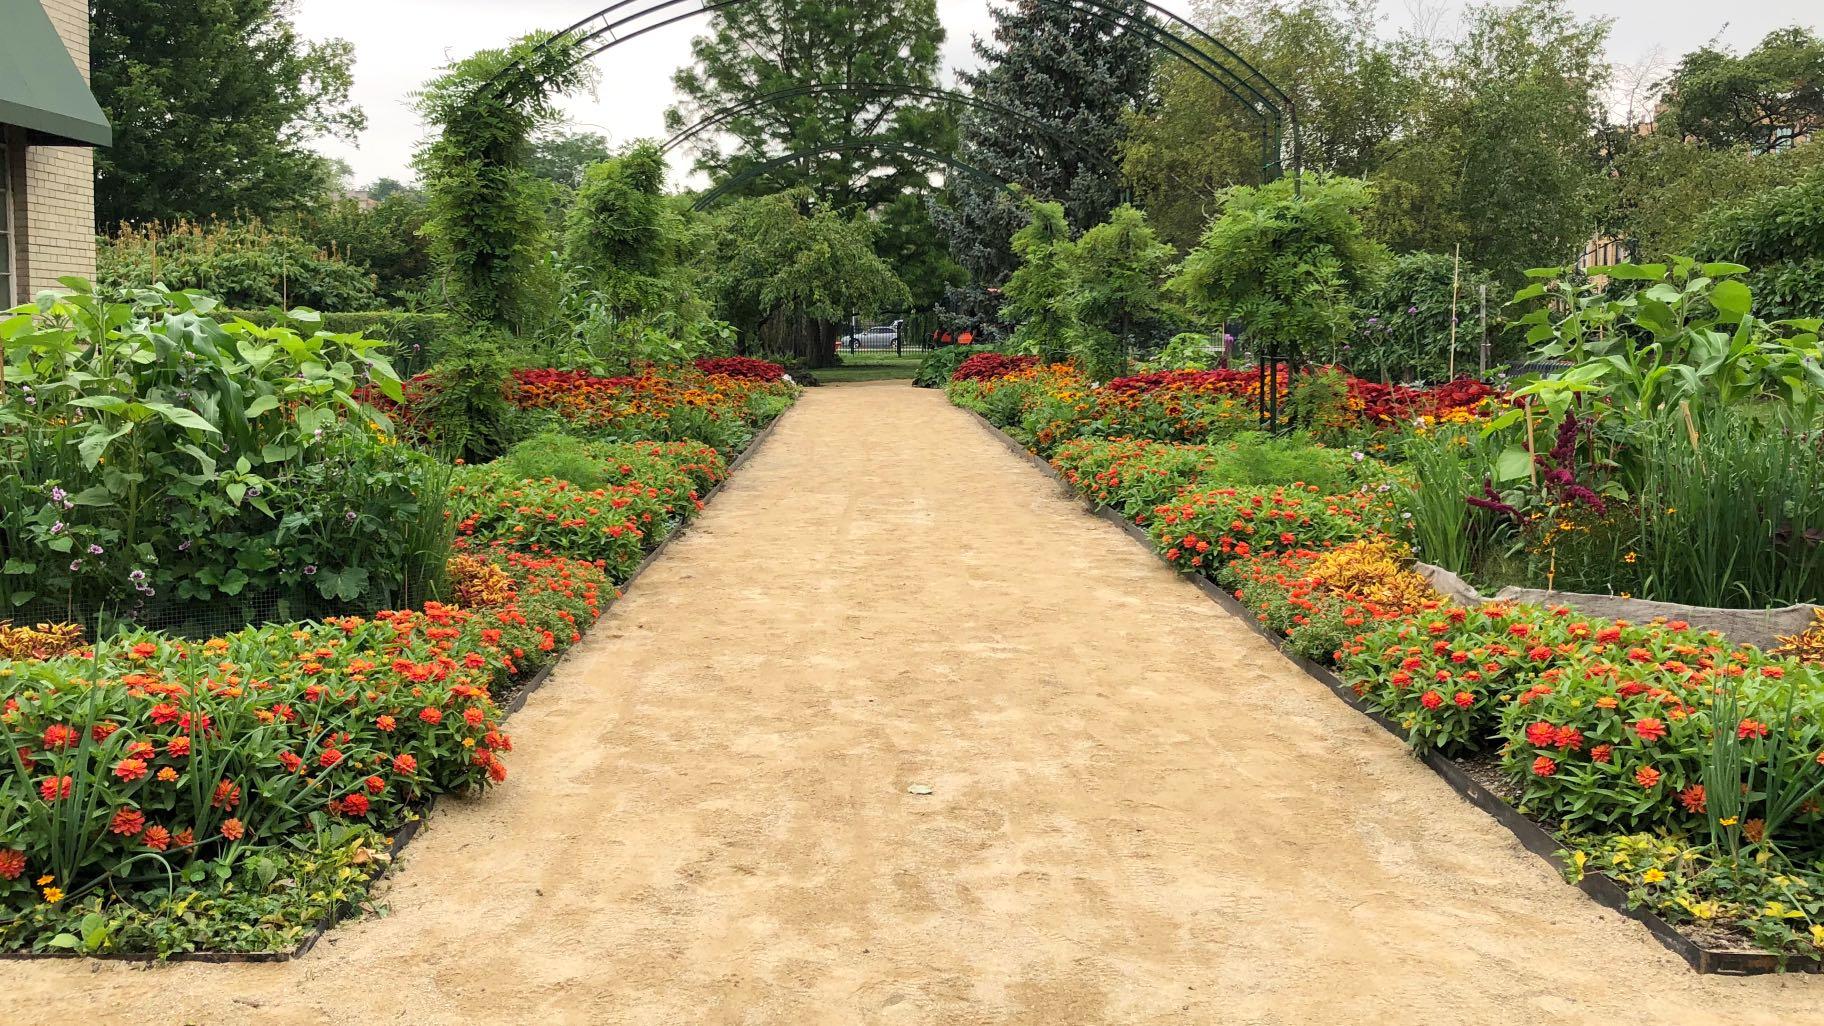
486 220
787 273
1037 293
1289 266
1116 269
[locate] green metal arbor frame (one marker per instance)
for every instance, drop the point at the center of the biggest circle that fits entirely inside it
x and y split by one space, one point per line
720 117
626 20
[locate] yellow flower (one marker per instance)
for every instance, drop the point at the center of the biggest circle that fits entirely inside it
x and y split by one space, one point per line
1699 909
1817 935
1653 876
53 894
45 879
1729 821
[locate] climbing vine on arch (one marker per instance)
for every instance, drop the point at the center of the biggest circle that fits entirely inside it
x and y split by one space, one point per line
486 226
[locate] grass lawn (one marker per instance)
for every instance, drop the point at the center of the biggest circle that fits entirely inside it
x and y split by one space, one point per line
871 367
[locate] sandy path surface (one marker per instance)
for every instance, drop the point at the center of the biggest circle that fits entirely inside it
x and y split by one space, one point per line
1140 814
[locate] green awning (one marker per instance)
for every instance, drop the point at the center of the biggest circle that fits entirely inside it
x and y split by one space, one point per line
40 87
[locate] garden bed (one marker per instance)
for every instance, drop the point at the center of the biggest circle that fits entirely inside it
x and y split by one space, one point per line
1706 950
510 702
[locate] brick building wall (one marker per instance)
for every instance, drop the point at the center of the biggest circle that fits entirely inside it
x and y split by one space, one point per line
54 186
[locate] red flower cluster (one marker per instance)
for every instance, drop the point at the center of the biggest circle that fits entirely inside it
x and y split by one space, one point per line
742 367
983 366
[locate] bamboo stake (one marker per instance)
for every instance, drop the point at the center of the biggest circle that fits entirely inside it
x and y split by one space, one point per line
1456 292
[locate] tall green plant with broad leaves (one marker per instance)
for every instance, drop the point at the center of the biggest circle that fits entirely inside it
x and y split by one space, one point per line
136 429
1656 340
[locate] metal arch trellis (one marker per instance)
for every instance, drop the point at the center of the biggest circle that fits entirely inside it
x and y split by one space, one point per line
718 118
748 174
617 24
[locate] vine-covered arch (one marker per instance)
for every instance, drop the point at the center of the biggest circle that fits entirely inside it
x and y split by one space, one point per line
626 20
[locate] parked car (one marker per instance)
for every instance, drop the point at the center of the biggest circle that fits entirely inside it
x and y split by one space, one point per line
881 336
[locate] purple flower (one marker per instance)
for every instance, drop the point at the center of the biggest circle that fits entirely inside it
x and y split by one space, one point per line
1358 456
57 528
95 550
185 546
1412 309
350 515
137 576
311 570
75 565
1374 320
58 495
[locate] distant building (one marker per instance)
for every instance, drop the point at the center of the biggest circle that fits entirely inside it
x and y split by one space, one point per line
49 125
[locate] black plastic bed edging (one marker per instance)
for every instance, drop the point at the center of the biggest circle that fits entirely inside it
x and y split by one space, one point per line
1535 838
415 818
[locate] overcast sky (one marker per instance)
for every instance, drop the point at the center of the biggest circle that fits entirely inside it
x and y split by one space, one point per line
401 43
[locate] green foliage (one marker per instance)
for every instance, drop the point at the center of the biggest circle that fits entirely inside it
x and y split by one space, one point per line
1779 235
384 239
908 240
1037 292
232 142
1684 343
1188 350
243 263
1760 99
486 219
631 297
1289 267
1665 187
935 369
1356 88
562 158
414 340
1080 76
770 257
1115 272
755 49
464 410
1404 332
162 452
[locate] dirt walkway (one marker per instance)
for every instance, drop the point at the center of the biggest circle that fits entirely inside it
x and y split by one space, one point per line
1140 814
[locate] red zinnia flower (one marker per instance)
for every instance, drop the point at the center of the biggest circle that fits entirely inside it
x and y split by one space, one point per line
128 822
1431 700
53 788
328 758
12 863
355 805
130 770
156 838
233 829
1600 753
404 764
1650 729
1544 767
431 714
1540 734
1692 798
227 795
1464 699
375 785
385 723
1750 728
58 735
177 747
1646 776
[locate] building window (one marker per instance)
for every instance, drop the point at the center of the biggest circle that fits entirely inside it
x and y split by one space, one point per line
8 295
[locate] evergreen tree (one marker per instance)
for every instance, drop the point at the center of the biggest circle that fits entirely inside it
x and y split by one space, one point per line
214 107
758 48
1062 66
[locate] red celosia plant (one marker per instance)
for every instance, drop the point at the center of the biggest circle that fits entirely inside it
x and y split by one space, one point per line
982 366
